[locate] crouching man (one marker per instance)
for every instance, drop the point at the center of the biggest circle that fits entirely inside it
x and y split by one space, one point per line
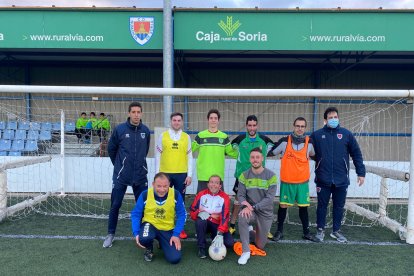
257 189
210 211
159 214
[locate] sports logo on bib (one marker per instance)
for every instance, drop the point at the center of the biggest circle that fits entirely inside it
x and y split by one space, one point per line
339 135
141 29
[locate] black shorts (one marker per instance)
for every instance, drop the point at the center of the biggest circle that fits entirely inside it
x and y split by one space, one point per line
236 186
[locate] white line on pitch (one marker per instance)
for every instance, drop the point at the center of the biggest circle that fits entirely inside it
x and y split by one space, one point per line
69 237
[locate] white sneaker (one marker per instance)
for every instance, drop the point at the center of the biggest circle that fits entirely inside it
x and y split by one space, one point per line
108 241
245 256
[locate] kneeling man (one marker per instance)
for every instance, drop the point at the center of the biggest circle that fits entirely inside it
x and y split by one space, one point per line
159 214
257 189
210 211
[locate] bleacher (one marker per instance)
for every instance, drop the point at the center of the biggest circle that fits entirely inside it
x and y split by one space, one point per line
20 138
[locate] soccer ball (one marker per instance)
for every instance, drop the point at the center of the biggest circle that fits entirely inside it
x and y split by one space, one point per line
217 253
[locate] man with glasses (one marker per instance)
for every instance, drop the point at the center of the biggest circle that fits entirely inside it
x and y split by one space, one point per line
295 150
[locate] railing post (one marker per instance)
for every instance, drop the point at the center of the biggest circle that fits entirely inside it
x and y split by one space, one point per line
383 199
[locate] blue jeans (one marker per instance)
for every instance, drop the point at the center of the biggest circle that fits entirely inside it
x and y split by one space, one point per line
148 233
338 203
117 195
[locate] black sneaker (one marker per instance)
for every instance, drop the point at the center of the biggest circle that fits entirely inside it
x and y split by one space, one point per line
202 253
148 255
277 236
308 236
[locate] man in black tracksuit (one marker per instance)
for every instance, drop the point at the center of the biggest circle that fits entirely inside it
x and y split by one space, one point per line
333 145
128 148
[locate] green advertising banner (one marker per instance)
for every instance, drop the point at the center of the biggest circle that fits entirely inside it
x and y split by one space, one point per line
81 30
333 31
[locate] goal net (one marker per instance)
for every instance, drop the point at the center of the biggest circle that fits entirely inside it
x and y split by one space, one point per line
78 177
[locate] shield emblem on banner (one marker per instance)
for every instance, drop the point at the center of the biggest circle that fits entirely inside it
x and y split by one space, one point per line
141 29
339 135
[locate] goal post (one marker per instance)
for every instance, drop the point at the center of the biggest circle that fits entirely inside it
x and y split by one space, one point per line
9 211
373 108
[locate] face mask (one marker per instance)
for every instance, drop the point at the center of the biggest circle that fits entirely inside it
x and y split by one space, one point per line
333 123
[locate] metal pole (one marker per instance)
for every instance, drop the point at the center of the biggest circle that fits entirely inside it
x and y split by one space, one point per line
62 153
168 57
410 216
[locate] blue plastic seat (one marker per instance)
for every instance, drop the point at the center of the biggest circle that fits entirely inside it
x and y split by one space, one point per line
8 134
46 126
2 125
20 134
35 126
3 153
12 125
31 145
32 135
5 145
15 153
45 135
70 127
24 125
17 145
56 126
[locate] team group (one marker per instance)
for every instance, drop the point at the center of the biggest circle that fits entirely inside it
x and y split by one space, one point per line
160 212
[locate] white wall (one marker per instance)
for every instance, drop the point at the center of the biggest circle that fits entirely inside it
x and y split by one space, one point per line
94 175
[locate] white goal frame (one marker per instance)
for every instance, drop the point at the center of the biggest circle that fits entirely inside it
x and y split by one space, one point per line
141 91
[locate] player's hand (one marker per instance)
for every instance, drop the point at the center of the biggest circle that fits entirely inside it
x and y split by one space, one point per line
218 240
187 181
137 241
248 206
176 241
203 215
246 213
361 180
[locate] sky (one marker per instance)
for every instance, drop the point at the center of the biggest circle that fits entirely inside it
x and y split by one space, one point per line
305 4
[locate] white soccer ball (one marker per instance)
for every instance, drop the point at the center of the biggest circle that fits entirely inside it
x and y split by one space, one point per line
217 253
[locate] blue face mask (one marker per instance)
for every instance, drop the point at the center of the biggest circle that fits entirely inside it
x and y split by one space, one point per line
333 123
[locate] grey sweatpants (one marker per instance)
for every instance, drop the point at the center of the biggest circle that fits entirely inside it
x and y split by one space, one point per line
263 224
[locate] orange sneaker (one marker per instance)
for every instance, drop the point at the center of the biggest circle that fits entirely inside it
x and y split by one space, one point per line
183 235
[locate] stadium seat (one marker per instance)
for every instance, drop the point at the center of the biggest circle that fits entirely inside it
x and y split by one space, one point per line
46 126
31 145
45 135
24 125
70 127
32 135
2 125
8 134
3 153
20 134
5 145
17 145
56 126
15 153
12 125
35 126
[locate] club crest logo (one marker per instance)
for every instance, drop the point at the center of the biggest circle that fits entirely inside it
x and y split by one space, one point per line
339 135
143 135
141 29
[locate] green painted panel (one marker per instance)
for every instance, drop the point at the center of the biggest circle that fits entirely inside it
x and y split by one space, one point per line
81 30
349 31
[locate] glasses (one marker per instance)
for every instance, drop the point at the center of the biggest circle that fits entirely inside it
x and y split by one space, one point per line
300 126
